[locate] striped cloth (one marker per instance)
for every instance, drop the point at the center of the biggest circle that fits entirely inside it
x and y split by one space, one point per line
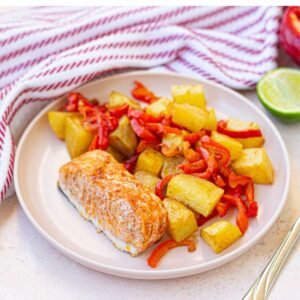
47 51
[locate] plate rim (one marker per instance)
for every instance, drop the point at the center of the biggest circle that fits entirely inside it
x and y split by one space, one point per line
154 274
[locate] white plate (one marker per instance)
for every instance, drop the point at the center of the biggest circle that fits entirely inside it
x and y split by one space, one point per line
40 154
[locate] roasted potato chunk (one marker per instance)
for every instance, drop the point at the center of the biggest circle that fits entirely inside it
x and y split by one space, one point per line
77 138
254 142
255 163
171 165
199 194
57 122
211 122
150 161
161 107
235 148
172 139
182 221
188 116
147 179
123 138
117 99
118 156
190 94
220 235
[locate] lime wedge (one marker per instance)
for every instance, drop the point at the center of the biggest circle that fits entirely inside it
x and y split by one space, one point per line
279 92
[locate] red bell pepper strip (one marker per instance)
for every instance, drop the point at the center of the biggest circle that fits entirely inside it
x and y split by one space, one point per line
74 100
164 247
119 111
247 133
222 208
130 163
103 141
163 129
218 180
170 151
235 180
143 145
143 116
195 167
159 188
142 132
190 154
192 138
201 220
141 93
94 144
242 218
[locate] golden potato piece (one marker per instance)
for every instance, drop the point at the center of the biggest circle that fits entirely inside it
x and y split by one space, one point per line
254 142
147 179
220 235
77 138
123 138
161 107
199 194
235 148
171 165
188 116
118 156
117 99
57 122
211 122
255 163
182 221
150 161
190 94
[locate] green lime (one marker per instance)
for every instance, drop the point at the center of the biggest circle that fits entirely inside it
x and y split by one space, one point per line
279 92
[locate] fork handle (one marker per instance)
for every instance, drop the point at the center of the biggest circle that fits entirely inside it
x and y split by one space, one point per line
264 283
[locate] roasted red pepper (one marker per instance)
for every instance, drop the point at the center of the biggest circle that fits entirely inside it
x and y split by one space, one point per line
218 180
248 133
195 167
289 33
119 111
201 220
142 132
130 163
192 138
143 116
160 186
190 154
212 165
141 93
75 100
164 247
162 129
222 208
144 144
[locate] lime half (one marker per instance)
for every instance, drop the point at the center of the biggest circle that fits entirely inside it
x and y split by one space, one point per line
279 92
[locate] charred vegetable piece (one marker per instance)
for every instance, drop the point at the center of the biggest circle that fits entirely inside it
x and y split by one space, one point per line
171 165
77 138
147 179
256 164
57 121
161 107
235 148
123 138
190 94
150 161
211 122
182 221
220 235
118 156
250 142
199 194
117 99
188 116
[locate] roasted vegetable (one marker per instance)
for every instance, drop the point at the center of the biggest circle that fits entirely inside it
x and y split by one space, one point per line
188 116
199 194
211 122
161 107
123 138
190 94
171 165
172 139
150 161
77 138
255 163
182 221
117 99
220 235
251 142
147 179
235 148
118 156
57 121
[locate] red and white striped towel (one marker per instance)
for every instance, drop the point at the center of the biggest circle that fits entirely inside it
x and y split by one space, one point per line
47 51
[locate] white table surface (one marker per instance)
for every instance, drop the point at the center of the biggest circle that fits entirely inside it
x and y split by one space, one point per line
32 269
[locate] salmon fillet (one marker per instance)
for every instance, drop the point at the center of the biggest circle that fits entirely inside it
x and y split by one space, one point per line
104 192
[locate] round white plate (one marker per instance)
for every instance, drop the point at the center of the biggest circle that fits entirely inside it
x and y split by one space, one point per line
40 154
